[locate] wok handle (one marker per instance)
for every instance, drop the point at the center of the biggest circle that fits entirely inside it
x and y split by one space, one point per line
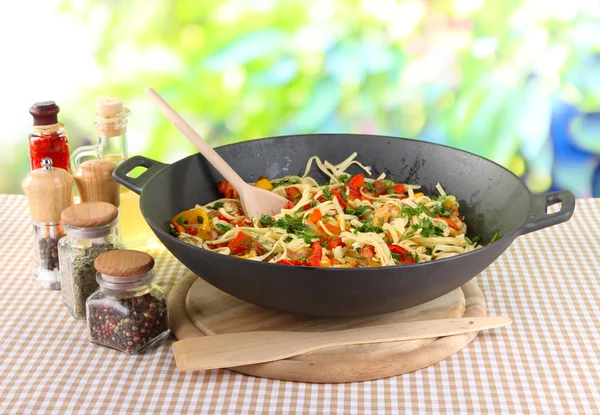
136 184
539 219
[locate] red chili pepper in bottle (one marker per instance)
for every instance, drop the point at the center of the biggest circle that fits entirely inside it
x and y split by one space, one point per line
49 137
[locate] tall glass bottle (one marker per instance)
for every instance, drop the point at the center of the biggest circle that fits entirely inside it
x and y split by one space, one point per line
111 128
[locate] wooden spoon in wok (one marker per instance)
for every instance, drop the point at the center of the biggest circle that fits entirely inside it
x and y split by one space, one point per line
255 201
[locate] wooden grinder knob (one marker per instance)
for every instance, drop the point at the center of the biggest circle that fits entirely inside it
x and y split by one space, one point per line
95 182
49 191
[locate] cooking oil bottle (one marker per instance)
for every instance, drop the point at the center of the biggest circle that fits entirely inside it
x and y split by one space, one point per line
111 128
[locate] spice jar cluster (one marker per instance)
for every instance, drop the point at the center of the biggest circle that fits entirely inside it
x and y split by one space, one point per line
77 247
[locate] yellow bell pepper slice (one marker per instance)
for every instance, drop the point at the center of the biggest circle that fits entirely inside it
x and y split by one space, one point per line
194 216
417 195
264 184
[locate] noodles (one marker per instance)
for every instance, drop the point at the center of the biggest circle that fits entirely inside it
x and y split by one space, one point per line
352 221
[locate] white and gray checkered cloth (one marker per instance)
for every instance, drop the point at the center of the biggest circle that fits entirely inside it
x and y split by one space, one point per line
548 282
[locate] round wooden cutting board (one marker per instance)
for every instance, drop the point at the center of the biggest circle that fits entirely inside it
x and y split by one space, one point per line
196 308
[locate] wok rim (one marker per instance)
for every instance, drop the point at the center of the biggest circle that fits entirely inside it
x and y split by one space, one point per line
509 237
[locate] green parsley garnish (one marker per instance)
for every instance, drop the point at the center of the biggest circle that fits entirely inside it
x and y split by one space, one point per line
396 256
369 227
388 183
313 202
408 211
180 220
327 192
370 187
359 211
344 178
223 228
344 196
392 191
428 228
266 220
288 239
428 251
216 206
476 239
286 181
495 237
200 219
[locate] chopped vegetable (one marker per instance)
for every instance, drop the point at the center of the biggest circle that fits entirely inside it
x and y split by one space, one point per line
399 188
401 254
264 184
367 252
294 262
227 190
357 182
495 237
293 194
314 260
315 216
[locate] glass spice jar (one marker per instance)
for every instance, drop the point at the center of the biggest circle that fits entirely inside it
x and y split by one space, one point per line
91 229
49 191
128 312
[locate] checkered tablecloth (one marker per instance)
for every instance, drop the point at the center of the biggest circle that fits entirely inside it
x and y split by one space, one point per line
546 362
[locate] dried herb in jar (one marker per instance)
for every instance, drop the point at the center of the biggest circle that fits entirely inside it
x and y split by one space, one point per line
82 279
91 230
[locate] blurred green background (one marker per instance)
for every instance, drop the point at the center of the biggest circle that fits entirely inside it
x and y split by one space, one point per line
515 81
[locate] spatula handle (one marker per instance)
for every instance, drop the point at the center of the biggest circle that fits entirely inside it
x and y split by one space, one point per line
414 330
207 151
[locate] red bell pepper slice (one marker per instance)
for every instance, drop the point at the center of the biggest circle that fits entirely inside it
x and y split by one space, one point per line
314 260
293 262
397 249
334 242
289 205
223 218
357 182
240 244
293 194
337 194
355 195
399 188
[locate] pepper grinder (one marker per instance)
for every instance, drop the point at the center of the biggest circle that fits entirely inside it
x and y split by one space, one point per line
49 191
95 183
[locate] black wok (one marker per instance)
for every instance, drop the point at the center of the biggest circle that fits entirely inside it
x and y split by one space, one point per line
491 198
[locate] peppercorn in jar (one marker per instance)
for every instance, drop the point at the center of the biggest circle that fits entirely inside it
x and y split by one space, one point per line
91 229
128 312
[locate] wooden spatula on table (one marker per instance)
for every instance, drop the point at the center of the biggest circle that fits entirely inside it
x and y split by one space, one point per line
238 349
255 201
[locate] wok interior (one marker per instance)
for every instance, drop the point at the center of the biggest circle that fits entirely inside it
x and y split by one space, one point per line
491 198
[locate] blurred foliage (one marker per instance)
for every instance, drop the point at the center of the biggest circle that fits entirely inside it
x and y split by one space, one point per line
514 81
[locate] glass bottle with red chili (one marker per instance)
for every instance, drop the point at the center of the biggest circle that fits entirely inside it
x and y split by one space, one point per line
48 138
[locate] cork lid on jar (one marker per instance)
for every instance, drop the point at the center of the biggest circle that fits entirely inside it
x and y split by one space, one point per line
89 214
124 264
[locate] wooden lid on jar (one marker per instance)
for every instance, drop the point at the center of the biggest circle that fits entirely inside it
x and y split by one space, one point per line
89 214
95 182
49 191
124 263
